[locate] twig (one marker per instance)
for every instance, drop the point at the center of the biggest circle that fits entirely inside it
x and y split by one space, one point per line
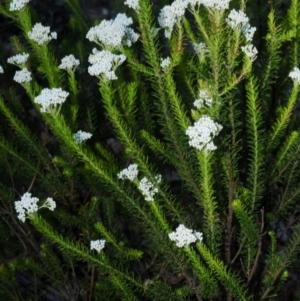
32 182
239 251
229 216
259 247
92 284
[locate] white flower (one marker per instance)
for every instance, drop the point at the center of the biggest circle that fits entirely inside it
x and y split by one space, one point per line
1 69
198 235
129 173
27 204
22 76
184 236
202 133
17 4
165 63
132 4
51 97
295 75
98 245
50 204
204 99
41 34
216 4
18 59
158 178
250 51
69 63
236 19
147 188
105 62
170 15
248 32
81 136
200 48
113 33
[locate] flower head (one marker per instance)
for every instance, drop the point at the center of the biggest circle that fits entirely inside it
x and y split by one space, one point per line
216 4
165 63
204 99
69 63
18 59
129 173
148 189
295 75
17 4
27 204
200 49
105 63
113 33
250 51
132 4
248 32
22 76
98 245
51 97
170 15
236 19
202 133
81 136
1 69
41 34
50 204
184 236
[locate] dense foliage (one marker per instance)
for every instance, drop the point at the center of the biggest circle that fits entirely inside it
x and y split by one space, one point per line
153 156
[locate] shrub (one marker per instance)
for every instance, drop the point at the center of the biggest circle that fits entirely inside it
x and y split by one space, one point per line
165 145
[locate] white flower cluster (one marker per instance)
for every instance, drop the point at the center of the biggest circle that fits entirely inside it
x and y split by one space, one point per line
170 15
28 204
202 133
50 204
129 173
18 59
98 245
22 76
184 236
204 99
248 32
165 63
17 4
236 18
51 97
1 69
41 34
113 33
295 75
132 4
69 63
250 51
105 62
81 136
145 186
239 18
201 49
148 189
216 4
